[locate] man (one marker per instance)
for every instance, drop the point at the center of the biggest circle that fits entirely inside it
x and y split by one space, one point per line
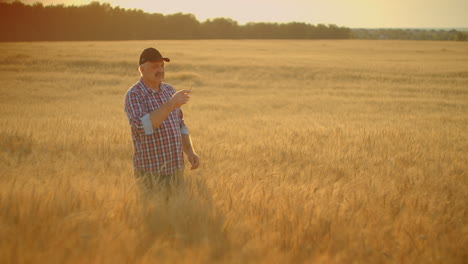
159 133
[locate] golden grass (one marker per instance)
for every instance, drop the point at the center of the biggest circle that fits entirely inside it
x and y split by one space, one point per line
312 152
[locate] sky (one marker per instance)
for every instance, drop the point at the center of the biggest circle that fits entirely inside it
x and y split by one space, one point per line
348 13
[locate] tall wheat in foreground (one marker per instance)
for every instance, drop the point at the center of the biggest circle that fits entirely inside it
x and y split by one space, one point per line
312 152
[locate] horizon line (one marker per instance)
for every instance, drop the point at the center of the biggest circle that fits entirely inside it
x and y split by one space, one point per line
463 28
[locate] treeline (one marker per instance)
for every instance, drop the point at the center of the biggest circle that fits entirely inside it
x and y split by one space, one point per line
96 21
410 34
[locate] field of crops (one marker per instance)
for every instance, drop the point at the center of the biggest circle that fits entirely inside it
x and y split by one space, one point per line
312 152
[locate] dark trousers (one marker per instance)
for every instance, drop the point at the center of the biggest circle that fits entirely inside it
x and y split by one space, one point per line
154 181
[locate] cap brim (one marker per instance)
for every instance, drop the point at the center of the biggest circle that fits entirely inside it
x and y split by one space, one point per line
164 59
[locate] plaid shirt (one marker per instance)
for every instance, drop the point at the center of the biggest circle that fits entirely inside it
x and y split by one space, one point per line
156 150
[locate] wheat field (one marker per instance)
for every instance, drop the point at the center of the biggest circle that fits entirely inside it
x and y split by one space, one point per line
312 152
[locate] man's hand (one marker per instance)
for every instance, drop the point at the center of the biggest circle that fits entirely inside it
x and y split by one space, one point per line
179 98
194 160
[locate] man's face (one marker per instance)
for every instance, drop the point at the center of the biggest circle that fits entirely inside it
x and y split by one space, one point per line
153 71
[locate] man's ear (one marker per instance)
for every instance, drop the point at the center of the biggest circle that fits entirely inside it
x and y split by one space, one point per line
140 68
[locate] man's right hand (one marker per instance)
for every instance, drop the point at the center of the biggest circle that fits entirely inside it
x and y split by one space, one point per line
179 98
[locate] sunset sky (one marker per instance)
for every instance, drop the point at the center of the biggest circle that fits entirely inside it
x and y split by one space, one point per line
350 13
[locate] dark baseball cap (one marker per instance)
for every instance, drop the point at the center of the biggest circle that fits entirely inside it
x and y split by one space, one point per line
151 54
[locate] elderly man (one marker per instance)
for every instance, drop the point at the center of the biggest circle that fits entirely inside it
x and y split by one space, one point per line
159 133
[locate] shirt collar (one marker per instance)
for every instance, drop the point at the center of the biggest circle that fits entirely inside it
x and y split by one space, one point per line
147 89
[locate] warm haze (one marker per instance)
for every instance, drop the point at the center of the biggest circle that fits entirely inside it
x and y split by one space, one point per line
344 151
355 14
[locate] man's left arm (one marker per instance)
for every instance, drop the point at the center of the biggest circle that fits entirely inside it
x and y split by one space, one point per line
192 156
190 152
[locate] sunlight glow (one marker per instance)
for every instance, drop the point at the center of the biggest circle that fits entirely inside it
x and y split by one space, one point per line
356 13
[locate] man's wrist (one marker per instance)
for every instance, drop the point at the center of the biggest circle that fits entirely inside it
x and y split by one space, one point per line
189 151
170 106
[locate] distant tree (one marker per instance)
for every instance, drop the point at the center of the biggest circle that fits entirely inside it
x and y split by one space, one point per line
461 36
221 28
295 30
260 31
180 26
320 31
413 34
